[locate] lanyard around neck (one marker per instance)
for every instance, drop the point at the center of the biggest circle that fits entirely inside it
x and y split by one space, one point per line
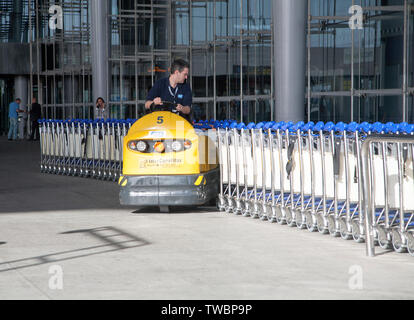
175 92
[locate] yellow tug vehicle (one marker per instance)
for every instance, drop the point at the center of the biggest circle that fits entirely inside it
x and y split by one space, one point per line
166 162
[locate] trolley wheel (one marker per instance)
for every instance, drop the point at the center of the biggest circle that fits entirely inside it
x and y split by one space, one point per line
410 243
397 242
356 232
255 212
220 203
289 218
310 225
271 214
343 230
237 211
300 220
246 208
321 224
383 239
332 226
267 212
279 215
261 212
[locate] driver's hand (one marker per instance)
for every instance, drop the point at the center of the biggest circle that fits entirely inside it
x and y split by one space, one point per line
179 108
157 101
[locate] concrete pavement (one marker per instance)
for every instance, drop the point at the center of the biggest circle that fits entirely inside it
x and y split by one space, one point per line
68 238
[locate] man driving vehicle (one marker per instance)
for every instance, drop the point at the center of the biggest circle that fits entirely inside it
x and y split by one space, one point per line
173 89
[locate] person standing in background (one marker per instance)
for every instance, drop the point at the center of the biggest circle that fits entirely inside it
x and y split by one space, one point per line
35 114
22 120
100 110
14 108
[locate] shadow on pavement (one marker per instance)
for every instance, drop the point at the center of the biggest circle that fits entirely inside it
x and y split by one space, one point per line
104 234
176 210
25 189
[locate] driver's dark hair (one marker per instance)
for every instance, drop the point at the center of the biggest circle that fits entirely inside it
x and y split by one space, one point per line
180 65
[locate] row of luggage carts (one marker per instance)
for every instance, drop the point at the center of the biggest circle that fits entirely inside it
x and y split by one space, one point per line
87 148
320 177
317 177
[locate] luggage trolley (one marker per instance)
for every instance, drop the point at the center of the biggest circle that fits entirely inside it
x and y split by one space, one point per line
391 180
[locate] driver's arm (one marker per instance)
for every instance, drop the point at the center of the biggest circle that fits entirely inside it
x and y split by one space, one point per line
156 101
153 95
184 109
148 104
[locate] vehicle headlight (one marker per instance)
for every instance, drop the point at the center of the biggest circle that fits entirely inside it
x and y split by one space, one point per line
176 146
142 146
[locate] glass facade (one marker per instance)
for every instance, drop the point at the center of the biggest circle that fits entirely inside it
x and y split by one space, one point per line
352 74
360 74
61 67
222 40
227 43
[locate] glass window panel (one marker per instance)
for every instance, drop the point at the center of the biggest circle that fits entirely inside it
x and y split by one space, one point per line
411 48
199 72
379 108
127 26
128 81
144 79
222 112
328 108
115 83
199 27
263 111
181 23
379 51
410 110
199 111
115 42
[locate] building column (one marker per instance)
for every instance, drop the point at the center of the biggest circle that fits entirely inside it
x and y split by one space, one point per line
21 88
21 91
289 24
100 48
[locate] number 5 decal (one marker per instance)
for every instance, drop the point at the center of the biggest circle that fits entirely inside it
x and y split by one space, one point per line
160 119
